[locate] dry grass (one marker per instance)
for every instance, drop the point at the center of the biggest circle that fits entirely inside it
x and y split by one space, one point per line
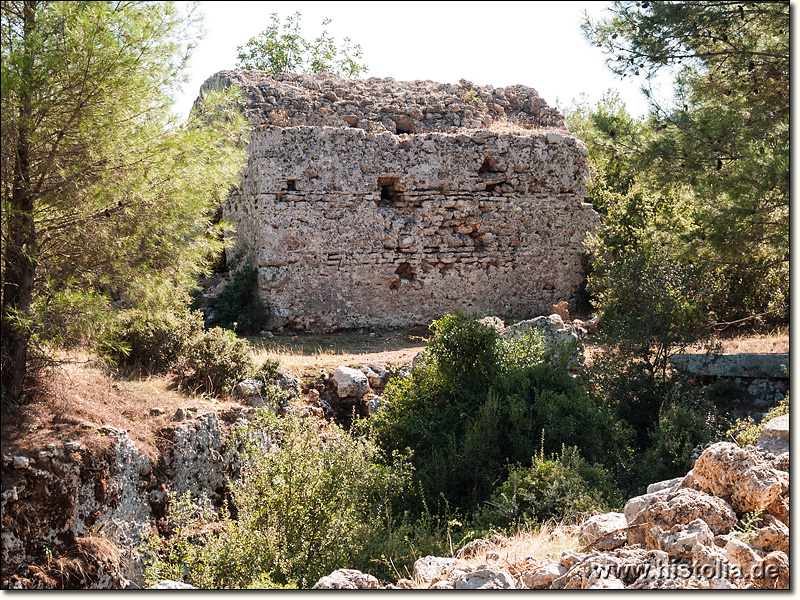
547 540
774 342
77 398
307 355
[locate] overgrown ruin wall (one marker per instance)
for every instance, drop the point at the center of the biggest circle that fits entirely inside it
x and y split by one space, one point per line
383 203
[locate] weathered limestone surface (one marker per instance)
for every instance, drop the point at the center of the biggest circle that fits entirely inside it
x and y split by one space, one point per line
775 435
774 366
378 202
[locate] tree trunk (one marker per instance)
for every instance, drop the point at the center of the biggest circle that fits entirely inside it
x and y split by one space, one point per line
21 249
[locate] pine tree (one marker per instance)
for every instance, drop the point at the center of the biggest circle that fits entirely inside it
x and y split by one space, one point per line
101 187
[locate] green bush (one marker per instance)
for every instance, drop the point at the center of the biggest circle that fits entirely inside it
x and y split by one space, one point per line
651 305
305 507
156 341
175 342
464 436
217 360
552 488
238 306
684 422
464 350
746 432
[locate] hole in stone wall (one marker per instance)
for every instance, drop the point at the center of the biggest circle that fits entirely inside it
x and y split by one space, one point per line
491 187
291 185
404 128
405 271
391 190
490 166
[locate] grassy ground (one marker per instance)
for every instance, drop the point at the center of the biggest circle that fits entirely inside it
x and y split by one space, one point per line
307 354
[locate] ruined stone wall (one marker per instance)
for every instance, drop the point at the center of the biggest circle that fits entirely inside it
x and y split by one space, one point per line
477 204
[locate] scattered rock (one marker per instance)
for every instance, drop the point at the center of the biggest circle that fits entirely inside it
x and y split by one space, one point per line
350 382
429 567
485 578
663 485
683 507
288 382
681 541
168 584
773 535
22 462
542 577
740 478
247 388
562 310
376 379
600 525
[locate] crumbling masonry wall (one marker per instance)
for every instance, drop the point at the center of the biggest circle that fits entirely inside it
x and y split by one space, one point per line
382 203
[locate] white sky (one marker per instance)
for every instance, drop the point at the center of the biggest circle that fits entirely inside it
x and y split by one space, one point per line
538 44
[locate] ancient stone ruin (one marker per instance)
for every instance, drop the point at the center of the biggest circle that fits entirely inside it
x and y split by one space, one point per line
384 203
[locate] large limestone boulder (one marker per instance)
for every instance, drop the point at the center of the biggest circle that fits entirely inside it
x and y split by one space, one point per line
742 479
543 576
681 541
775 435
562 339
682 507
347 579
350 382
599 525
771 536
429 567
485 578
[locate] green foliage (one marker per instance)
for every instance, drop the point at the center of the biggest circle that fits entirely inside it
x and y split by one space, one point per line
724 139
282 49
217 360
746 432
100 183
72 317
464 351
306 505
653 305
552 488
748 525
175 557
210 360
157 341
684 422
474 405
238 305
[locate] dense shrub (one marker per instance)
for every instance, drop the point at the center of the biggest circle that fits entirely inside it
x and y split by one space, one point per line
552 488
652 304
465 351
308 503
306 506
175 341
156 341
217 359
463 437
685 421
